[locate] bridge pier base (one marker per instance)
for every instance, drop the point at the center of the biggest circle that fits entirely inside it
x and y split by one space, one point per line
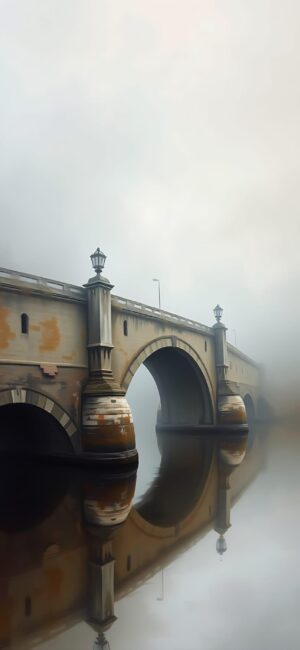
107 424
231 410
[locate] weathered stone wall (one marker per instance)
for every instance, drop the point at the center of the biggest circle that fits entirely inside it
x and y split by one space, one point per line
51 356
56 330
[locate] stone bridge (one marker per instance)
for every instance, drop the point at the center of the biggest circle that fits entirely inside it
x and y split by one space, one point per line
68 354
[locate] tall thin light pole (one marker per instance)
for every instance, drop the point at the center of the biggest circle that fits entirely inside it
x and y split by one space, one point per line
158 284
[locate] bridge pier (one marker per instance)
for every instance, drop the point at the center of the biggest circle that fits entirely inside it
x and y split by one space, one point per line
231 412
107 425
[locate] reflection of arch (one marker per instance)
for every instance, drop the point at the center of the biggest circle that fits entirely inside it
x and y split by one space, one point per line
179 486
42 488
180 481
192 484
41 410
182 380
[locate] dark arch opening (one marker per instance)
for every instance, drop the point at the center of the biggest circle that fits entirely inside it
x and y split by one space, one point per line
184 395
25 428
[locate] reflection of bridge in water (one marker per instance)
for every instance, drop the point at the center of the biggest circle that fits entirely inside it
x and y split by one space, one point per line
68 354
73 543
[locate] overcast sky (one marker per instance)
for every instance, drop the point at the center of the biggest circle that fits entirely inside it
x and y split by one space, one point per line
167 133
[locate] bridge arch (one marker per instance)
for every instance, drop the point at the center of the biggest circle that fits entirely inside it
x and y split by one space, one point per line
182 379
20 404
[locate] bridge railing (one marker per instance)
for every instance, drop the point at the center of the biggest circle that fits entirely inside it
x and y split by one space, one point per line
16 279
11 279
147 310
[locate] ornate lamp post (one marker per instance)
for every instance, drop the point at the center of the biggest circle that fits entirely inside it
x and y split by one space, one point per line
98 261
107 425
101 643
221 546
218 311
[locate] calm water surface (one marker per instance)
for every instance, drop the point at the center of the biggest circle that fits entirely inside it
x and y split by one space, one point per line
82 567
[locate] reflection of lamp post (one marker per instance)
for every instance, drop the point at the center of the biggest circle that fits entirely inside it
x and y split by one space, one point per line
101 643
221 545
158 284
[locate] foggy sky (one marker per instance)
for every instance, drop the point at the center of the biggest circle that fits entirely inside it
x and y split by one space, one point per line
167 133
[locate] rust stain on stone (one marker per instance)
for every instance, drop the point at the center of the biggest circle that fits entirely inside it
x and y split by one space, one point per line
50 335
34 328
6 333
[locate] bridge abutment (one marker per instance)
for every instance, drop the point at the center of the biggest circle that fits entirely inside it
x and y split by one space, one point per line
107 424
